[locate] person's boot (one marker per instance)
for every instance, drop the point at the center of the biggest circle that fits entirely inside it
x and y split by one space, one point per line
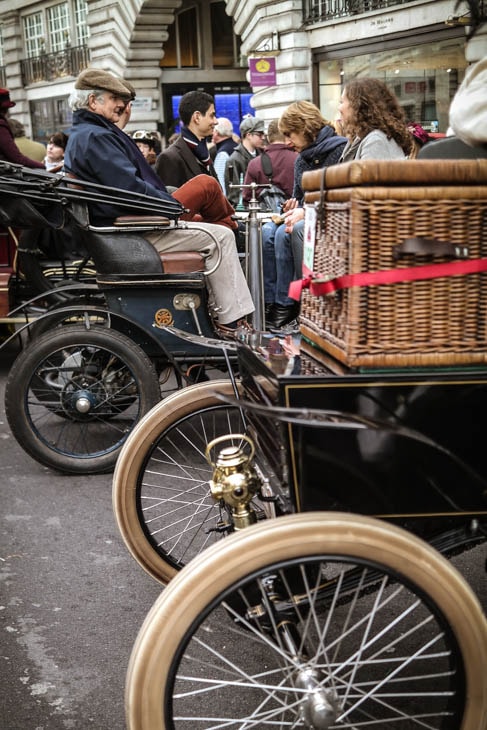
282 314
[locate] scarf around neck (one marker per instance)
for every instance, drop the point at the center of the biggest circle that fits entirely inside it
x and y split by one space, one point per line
197 146
326 141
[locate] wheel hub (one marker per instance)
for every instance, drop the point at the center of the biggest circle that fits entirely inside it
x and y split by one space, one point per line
319 707
81 401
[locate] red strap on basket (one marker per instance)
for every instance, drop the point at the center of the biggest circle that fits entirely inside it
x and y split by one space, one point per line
389 276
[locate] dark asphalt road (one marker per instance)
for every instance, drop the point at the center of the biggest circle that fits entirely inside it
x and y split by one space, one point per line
72 598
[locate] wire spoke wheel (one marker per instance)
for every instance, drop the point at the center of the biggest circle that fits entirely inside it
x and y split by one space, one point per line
161 491
318 620
74 395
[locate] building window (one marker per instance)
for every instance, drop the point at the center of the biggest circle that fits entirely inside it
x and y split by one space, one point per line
59 27
53 29
181 50
35 41
225 44
80 21
49 116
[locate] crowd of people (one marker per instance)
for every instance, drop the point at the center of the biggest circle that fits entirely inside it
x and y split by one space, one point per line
206 162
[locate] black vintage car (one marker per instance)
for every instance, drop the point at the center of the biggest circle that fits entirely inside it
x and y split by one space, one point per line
340 489
304 515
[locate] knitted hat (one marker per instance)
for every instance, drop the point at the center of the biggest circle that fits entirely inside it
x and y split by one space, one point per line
251 124
468 110
5 101
96 78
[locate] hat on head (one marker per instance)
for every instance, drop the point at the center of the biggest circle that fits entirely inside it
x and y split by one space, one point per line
130 87
96 78
251 124
5 101
146 137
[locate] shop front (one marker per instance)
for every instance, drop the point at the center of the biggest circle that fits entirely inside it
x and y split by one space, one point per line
423 71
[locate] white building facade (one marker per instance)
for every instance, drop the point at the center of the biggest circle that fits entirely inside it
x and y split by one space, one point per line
168 46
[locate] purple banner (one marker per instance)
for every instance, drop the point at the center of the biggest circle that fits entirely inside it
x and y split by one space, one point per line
262 71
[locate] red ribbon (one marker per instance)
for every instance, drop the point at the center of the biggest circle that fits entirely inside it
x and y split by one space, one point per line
296 287
389 276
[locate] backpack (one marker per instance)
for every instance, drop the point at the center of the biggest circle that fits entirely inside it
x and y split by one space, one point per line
274 197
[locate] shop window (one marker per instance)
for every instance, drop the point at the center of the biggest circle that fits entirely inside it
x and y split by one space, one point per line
423 77
232 102
201 36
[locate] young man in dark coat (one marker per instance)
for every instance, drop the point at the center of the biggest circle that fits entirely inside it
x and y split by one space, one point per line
189 155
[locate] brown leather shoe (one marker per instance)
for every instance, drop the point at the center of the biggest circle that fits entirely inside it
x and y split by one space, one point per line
241 332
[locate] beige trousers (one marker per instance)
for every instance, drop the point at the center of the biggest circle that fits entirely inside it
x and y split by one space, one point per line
227 285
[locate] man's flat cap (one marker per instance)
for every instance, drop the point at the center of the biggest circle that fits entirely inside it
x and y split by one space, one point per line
130 87
251 124
96 78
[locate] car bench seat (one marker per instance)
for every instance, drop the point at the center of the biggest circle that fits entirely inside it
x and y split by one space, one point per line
116 250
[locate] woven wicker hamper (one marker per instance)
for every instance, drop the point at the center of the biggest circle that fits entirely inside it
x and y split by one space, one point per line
366 211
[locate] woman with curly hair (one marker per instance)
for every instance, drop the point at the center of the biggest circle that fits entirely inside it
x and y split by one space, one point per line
374 122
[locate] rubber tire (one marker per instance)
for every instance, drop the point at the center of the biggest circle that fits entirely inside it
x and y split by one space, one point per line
23 372
177 612
131 463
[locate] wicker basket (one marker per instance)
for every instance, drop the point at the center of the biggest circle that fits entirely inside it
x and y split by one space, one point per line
433 322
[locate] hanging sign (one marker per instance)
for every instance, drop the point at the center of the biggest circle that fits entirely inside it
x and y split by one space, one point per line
262 71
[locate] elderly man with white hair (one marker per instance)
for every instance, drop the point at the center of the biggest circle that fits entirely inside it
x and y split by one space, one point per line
99 151
225 144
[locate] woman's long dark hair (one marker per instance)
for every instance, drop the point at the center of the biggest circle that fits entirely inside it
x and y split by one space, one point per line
374 106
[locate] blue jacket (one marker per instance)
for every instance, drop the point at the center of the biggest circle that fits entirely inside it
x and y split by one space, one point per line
324 151
98 151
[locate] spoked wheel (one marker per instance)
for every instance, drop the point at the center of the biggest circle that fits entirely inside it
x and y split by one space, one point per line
74 395
161 491
318 620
